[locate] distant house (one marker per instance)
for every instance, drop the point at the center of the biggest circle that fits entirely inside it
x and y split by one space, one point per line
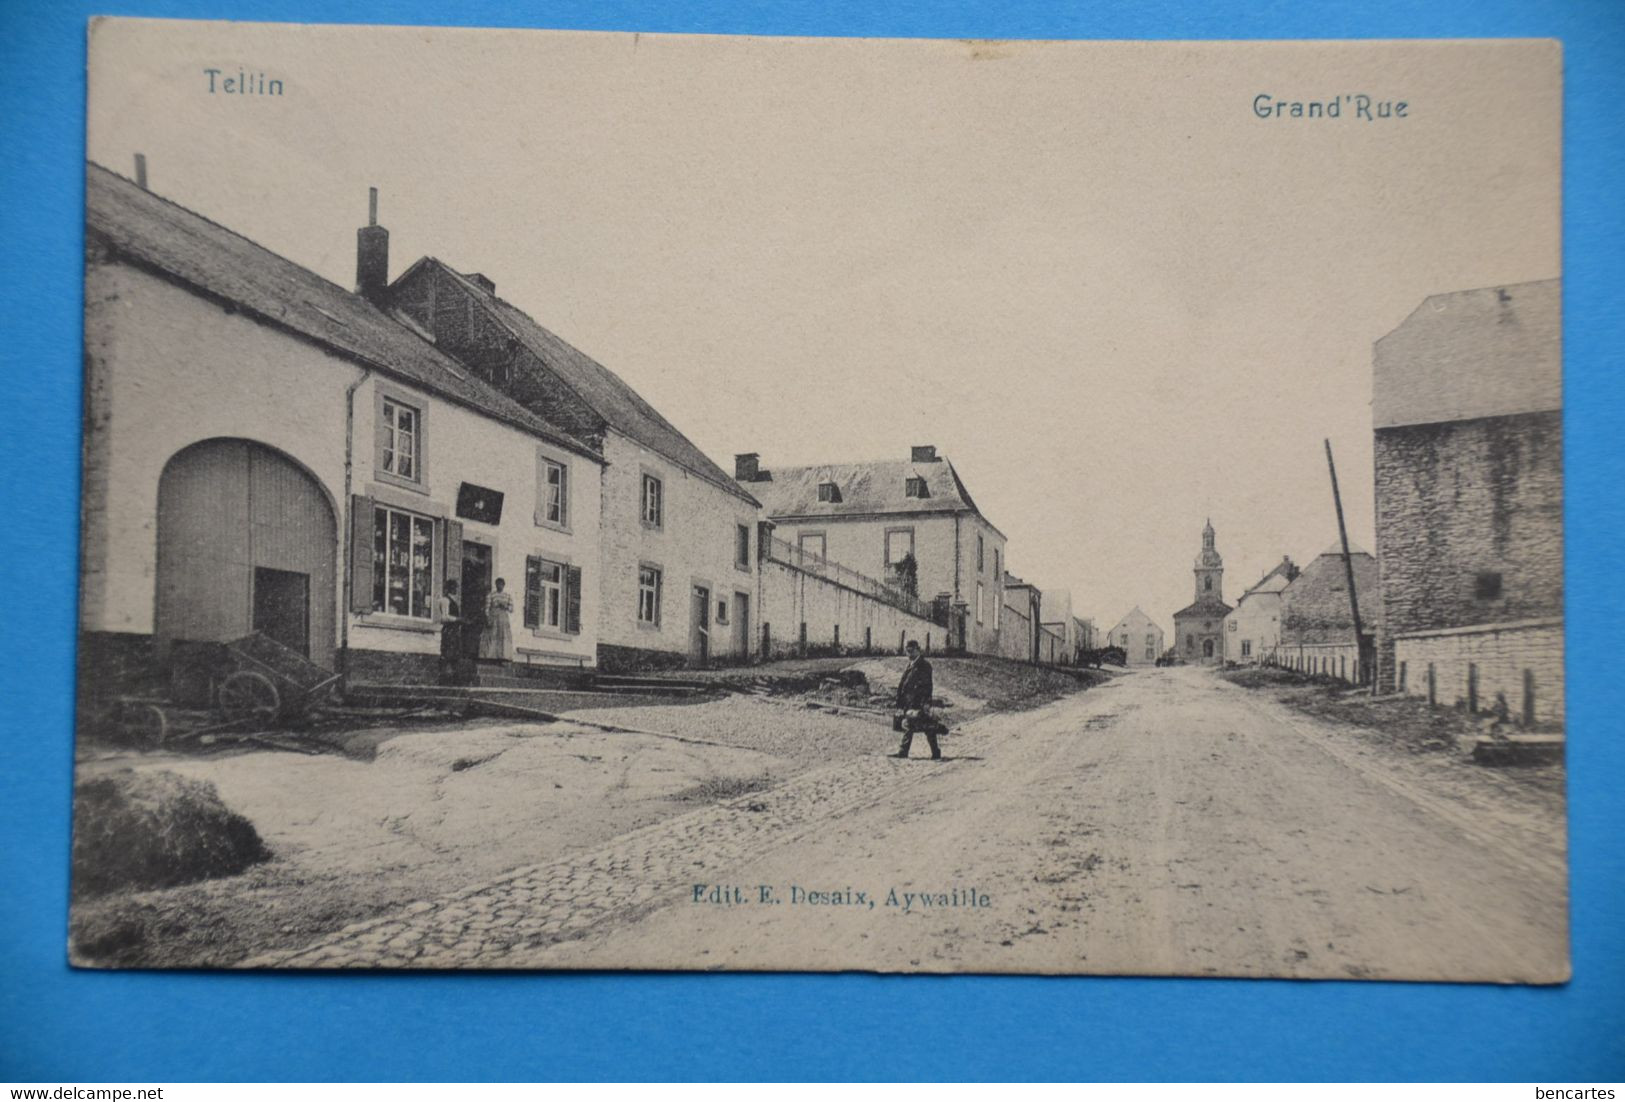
1317 620
266 451
1023 633
1056 614
1085 629
676 560
1199 626
1252 631
909 522
1138 635
1468 441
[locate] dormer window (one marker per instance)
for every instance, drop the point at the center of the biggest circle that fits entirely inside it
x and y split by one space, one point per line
828 491
915 487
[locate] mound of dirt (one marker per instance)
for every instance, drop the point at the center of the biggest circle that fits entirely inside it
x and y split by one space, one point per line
155 829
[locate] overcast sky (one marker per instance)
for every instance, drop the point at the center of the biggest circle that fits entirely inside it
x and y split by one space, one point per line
1119 301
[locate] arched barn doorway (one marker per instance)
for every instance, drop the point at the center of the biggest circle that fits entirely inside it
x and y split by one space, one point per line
1207 648
246 542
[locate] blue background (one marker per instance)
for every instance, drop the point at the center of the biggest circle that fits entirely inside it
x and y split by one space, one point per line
66 1026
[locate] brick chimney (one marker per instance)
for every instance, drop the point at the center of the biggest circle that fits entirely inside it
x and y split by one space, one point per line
923 453
483 282
747 467
372 253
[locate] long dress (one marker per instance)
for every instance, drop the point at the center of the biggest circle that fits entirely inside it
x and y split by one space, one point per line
496 640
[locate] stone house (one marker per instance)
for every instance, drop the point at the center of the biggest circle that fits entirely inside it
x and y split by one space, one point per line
1199 626
1252 631
1138 635
910 523
267 451
1468 433
1317 619
676 563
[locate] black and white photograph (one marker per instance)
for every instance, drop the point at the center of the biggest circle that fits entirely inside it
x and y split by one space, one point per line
604 501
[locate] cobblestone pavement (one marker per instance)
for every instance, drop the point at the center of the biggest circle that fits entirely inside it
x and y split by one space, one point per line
505 923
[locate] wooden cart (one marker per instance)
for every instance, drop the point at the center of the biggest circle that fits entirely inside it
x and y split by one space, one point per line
270 682
245 686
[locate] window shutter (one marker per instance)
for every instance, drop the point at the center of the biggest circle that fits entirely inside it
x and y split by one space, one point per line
453 554
533 592
540 515
361 507
379 433
572 599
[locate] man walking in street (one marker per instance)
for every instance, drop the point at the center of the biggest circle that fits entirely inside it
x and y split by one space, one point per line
914 693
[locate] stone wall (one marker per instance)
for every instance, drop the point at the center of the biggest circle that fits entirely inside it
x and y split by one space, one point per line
1465 498
803 613
1509 661
1469 523
1016 638
1315 607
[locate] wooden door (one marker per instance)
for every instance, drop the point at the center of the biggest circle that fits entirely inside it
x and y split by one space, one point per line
700 620
741 642
228 509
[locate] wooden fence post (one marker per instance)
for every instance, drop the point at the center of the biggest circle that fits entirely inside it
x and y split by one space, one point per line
1528 698
1433 686
1472 688
1402 679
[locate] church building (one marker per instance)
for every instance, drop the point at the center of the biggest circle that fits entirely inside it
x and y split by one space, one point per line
1199 626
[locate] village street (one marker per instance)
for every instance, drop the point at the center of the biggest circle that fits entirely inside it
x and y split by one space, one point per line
1167 822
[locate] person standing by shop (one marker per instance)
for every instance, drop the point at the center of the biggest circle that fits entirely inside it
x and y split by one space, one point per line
496 639
449 609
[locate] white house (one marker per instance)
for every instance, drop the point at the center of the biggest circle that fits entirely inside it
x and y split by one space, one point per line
1252 630
677 537
907 522
1138 635
267 451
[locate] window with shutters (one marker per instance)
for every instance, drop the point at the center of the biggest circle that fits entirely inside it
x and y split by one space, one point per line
544 593
552 596
399 457
742 546
403 562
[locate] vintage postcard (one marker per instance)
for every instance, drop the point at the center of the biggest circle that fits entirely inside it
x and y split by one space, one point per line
615 501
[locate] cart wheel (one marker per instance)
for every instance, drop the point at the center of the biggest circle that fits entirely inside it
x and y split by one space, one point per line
248 695
143 724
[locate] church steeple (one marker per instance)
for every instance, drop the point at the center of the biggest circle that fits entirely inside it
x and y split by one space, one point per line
1209 568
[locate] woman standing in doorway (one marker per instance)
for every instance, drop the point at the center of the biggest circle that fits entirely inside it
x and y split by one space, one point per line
496 640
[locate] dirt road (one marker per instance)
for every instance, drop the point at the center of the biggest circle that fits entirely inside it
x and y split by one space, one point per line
1167 824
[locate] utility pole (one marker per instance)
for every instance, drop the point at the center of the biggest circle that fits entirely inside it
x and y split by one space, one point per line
1348 565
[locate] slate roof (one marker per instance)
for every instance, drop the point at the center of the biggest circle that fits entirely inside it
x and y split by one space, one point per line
621 407
219 263
874 488
1210 607
1486 352
1273 582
